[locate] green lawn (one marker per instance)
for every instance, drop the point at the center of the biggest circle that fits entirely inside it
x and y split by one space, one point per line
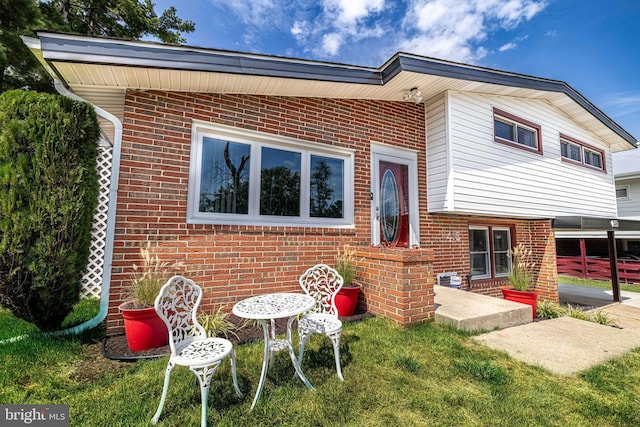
424 375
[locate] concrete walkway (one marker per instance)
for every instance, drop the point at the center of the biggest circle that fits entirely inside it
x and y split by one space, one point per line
625 313
564 346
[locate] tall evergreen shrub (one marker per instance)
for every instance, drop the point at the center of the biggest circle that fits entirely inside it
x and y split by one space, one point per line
48 195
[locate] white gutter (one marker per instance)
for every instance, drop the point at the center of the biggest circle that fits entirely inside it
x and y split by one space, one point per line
34 44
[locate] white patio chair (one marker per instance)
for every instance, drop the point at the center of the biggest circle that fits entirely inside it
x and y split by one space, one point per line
322 283
177 304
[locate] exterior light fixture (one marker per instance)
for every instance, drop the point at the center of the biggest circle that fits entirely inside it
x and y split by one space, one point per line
414 95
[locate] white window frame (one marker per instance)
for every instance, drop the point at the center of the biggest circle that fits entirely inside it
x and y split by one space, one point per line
487 258
590 153
258 140
517 122
490 257
626 189
409 158
493 251
585 149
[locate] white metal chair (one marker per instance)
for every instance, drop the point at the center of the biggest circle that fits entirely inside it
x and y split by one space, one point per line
177 304
322 283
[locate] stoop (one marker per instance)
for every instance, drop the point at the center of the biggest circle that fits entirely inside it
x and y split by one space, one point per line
474 312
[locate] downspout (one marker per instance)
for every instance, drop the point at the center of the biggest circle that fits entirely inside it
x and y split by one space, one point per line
34 44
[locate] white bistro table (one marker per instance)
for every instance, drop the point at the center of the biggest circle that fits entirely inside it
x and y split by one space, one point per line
266 308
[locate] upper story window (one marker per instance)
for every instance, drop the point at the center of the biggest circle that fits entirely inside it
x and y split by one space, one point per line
489 251
250 178
515 131
580 153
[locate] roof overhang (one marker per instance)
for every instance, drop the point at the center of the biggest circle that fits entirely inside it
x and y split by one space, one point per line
101 70
569 223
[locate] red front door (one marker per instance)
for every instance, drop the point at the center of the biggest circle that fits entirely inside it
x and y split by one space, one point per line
394 204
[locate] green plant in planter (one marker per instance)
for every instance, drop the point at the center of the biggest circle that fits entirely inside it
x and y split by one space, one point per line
346 265
521 276
148 278
217 323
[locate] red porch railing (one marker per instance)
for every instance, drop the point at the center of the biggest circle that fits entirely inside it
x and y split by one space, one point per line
598 268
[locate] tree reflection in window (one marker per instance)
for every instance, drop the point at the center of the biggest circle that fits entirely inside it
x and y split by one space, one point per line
225 177
280 182
326 187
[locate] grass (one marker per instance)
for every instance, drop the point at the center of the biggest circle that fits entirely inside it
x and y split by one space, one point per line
601 284
419 376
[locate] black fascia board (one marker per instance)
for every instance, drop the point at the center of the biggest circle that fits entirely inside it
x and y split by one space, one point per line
113 52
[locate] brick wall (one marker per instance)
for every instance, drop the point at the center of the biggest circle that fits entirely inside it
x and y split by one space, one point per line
449 239
232 262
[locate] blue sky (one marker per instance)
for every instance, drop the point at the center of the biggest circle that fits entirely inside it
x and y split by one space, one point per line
593 45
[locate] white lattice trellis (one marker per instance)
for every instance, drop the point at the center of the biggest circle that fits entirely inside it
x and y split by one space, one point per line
92 279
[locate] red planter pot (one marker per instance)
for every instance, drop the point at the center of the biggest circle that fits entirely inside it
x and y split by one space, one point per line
523 297
143 328
347 299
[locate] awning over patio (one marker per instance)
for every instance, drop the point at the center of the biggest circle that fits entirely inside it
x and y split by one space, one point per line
594 224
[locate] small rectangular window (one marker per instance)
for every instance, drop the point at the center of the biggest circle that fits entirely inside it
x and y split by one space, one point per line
622 192
504 130
280 182
571 151
501 258
517 132
224 184
580 153
479 252
326 187
592 158
489 251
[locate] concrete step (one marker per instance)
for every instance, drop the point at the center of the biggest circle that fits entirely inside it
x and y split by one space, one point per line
474 312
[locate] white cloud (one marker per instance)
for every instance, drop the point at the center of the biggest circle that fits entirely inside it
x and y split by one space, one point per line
252 12
350 11
508 46
512 45
454 29
448 29
300 30
624 108
331 43
347 20
623 103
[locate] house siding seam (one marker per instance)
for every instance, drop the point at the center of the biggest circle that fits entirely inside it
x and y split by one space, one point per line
233 262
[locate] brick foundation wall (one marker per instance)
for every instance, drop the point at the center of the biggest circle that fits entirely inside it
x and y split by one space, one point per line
233 262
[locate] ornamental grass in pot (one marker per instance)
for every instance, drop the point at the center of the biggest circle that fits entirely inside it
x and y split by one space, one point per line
521 286
347 298
143 328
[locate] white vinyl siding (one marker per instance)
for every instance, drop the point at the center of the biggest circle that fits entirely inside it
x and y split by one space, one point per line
488 178
437 155
629 207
